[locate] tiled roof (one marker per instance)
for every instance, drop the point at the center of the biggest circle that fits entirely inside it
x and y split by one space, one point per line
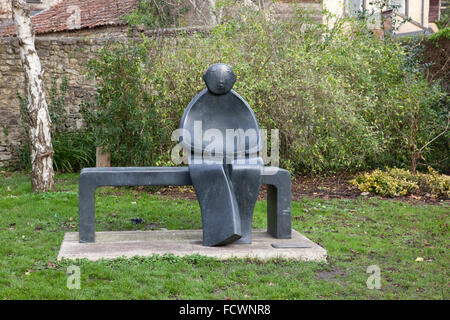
93 13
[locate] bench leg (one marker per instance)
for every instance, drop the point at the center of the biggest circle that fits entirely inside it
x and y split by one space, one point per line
86 209
279 220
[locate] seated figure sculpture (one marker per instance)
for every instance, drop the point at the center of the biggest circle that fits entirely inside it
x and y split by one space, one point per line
224 168
222 136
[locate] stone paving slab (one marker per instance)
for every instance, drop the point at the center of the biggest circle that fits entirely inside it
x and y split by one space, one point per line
114 244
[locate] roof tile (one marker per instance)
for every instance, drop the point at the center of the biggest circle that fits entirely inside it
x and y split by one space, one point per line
93 13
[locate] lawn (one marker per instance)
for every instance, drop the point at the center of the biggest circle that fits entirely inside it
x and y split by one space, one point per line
357 233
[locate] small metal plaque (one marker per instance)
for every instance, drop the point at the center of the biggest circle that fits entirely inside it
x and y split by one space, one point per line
290 245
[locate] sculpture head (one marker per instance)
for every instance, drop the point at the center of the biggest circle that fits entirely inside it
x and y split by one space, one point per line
219 78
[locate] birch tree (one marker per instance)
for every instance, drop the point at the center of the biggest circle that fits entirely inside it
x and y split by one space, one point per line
42 174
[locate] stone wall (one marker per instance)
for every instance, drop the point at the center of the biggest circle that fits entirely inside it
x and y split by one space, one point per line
59 56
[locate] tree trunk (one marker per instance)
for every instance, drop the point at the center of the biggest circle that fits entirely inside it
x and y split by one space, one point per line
413 165
215 9
42 174
214 13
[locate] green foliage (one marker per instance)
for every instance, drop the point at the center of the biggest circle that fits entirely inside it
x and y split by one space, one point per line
437 184
56 105
441 34
443 21
341 98
156 13
399 182
73 150
384 183
126 117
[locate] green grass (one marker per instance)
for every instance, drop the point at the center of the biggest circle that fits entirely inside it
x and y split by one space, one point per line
357 233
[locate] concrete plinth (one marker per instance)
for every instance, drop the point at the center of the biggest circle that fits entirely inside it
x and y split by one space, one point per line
114 244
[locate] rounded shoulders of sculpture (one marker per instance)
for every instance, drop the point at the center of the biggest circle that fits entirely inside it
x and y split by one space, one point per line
218 107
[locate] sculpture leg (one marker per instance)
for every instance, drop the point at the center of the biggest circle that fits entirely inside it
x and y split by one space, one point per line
220 215
246 179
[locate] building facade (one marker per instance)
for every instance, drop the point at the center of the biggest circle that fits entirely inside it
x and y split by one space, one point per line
420 13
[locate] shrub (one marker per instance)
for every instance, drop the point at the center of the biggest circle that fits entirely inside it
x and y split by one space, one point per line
441 34
341 98
126 117
399 182
156 13
384 183
437 184
443 21
73 151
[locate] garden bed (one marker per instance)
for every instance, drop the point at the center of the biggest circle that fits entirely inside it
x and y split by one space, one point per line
321 187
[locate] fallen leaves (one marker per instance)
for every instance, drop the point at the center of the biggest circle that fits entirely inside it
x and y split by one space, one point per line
427 244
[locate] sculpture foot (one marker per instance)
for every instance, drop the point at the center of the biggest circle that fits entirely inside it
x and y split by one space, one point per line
244 240
231 239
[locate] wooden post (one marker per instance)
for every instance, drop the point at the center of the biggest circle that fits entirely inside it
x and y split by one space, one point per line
103 158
